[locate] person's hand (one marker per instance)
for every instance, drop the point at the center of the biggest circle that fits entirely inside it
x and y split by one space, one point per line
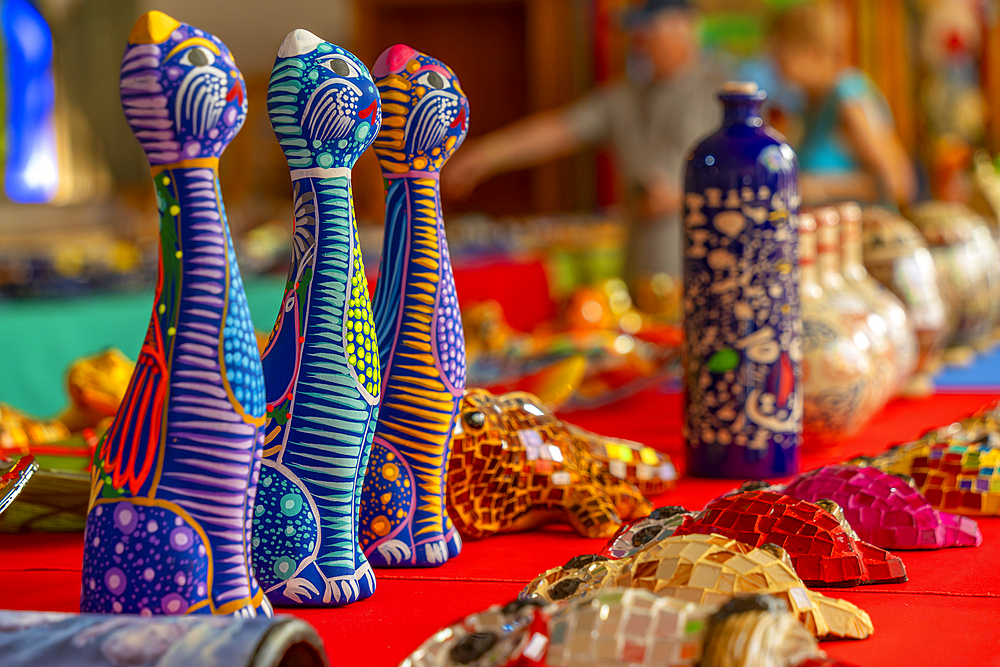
464 171
659 197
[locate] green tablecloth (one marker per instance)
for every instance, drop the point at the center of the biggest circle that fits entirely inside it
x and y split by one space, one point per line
39 338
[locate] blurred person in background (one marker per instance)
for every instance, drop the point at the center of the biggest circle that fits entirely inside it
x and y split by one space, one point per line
651 119
849 148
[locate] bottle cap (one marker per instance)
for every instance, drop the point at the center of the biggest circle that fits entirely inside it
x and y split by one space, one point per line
740 88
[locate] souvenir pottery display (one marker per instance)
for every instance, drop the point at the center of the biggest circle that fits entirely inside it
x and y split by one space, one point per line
419 328
20 432
514 465
886 309
636 535
572 362
608 306
884 509
956 467
661 295
896 255
707 570
321 364
742 347
174 480
986 196
854 313
624 626
34 638
63 448
13 478
967 262
821 543
837 369
501 358
53 501
96 385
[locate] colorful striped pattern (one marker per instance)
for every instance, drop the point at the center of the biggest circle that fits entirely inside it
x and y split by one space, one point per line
175 478
321 362
403 517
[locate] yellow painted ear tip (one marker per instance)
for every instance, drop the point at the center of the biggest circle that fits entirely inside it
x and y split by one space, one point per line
153 27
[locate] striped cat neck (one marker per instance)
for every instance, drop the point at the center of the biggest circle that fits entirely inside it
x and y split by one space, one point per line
195 163
321 172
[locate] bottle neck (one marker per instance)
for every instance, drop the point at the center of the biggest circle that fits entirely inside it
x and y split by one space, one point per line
828 255
741 110
851 253
809 275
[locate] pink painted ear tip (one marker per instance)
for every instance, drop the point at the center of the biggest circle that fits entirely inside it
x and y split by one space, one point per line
393 60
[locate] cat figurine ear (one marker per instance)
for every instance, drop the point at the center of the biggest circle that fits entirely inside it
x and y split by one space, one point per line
404 521
175 477
321 365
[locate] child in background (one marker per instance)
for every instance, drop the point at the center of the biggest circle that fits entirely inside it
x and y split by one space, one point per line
849 148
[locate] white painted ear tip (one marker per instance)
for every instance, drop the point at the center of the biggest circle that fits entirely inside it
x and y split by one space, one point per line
298 42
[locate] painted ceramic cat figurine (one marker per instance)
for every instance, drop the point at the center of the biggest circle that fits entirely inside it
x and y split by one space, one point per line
422 348
321 365
175 477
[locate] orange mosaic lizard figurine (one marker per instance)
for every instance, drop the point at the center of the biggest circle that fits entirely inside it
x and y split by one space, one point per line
514 466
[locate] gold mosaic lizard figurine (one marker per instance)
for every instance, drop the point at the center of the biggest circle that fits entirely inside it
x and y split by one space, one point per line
514 466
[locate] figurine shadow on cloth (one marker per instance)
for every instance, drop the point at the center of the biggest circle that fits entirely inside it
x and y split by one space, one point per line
174 480
404 522
514 466
321 366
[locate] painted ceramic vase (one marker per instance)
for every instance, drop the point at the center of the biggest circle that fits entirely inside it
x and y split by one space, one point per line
854 313
404 520
887 310
742 332
174 480
321 369
837 365
967 263
896 255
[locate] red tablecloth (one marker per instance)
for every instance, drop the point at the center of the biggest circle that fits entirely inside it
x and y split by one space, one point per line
943 615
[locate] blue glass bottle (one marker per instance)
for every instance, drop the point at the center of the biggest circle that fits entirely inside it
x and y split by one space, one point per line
742 350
